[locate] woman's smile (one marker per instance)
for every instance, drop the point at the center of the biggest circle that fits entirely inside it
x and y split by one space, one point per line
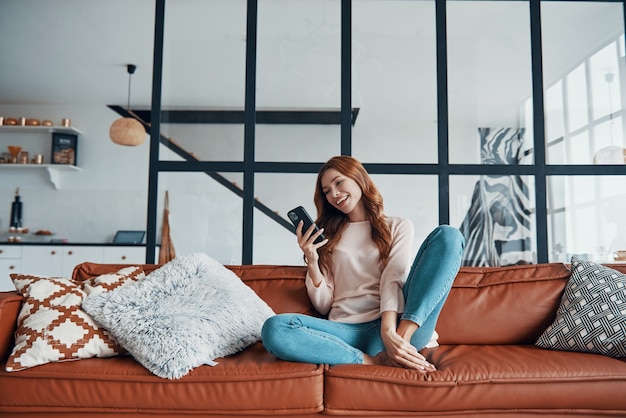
342 200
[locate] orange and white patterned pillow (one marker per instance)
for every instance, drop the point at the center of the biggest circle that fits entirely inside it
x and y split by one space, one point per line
51 325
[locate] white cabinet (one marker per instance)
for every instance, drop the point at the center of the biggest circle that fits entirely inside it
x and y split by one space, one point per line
72 256
10 262
57 260
41 261
60 260
124 255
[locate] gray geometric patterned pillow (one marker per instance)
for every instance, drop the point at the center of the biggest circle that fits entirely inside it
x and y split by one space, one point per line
592 314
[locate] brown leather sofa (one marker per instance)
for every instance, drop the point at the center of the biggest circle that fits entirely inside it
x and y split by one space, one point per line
487 364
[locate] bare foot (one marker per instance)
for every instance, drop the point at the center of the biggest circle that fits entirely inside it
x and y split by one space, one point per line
382 359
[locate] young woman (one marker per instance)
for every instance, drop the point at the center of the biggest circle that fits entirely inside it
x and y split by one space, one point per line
381 309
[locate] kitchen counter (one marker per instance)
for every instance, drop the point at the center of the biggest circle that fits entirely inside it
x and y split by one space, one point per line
77 244
34 239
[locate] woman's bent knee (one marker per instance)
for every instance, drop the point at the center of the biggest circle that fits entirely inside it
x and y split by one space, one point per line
268 333
273 333
450 236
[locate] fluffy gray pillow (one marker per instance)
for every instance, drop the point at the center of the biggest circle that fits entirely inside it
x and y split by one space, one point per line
184 314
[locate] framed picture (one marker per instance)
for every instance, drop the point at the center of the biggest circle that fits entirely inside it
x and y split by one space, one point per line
64 148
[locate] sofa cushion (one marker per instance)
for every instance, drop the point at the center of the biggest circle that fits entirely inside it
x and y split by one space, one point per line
501 305
52 325
592 314
251 383
184 314
480 379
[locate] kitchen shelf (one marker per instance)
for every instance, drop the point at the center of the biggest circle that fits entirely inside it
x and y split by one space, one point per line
53 170
40 129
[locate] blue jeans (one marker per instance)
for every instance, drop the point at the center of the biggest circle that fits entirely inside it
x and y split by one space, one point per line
303 338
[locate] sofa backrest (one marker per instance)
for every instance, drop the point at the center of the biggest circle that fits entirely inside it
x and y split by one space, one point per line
493 305
502 305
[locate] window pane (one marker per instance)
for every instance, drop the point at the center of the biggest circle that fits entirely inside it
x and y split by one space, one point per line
604 67
394 81
297 143
489 75
204 216
413 197
298 68
496 216
274 241
584 81
578 148
204 76
586 217
204 142
555 119
577 98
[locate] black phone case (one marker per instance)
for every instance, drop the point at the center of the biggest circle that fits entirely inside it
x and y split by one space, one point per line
297 214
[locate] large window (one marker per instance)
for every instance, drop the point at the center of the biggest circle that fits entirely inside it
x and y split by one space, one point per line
584 90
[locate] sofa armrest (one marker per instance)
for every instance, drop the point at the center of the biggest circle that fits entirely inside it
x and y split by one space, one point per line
10 304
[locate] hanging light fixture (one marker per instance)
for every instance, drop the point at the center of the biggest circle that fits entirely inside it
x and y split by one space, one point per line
611 154
128 131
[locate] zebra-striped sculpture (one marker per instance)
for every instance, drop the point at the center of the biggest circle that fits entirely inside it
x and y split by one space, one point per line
497 225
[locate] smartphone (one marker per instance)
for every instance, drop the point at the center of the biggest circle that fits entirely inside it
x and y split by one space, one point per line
300 214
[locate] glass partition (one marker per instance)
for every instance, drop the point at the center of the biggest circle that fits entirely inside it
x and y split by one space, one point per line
204 215
394 81
297 143
277 193
584 82
489 80
411 196
298 80
203 88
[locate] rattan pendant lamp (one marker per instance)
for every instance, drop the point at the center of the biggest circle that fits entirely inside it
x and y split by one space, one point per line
128 131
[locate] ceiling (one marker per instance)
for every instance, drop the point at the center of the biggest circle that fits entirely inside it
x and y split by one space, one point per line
76 51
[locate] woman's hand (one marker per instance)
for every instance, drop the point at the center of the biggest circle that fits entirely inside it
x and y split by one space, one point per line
398 349
306 241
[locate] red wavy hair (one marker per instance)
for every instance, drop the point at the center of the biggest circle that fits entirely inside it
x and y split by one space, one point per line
334 221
